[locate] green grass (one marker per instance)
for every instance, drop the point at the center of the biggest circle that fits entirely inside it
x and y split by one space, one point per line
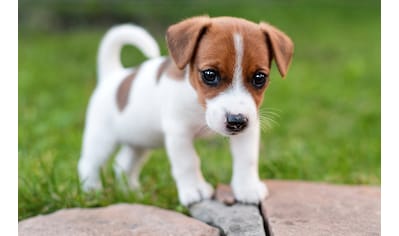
328 108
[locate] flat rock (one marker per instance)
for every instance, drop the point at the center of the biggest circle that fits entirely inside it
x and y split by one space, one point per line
292 208
120 219
303 208
238 219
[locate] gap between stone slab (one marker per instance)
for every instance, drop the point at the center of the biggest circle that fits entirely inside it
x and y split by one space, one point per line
266 224
221 231
259 207
224 195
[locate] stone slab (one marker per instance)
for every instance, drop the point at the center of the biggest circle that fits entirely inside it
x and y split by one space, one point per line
303 208
292 208
120 219
233 220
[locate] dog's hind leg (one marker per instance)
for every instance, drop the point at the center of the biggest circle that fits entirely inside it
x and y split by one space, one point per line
128 163
97 148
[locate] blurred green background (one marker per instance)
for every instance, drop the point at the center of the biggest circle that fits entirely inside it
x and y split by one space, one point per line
326 113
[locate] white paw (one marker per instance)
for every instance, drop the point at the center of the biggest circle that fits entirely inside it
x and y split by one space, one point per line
253 192
134 184
195 193
91 184
124 181
88 176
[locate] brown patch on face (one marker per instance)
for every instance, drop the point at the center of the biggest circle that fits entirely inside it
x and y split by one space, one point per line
171 70
281 46
122 94
216 51
161 68
256 58
182 38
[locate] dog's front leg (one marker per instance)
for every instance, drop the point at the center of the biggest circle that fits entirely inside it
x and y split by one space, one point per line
186 169
246 184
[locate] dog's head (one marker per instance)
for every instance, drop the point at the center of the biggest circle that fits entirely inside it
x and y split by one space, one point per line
229 62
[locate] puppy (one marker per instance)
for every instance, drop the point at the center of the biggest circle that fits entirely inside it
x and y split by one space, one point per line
213 82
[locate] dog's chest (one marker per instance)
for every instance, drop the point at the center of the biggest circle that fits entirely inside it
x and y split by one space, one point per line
158 106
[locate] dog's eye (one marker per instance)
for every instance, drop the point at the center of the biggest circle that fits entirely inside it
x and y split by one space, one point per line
210 77
259 79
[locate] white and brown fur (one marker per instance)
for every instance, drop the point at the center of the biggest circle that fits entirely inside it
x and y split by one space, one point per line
164 101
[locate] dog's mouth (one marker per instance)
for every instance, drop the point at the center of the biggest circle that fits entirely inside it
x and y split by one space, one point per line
233 133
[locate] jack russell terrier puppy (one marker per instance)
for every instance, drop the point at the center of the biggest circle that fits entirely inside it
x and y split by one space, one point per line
213 82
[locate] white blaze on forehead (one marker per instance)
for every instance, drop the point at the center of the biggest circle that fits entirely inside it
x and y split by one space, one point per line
239 50
235 100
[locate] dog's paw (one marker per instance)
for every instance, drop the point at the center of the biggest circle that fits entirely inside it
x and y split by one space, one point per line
195 193
252 193
89 182
91 185
89 177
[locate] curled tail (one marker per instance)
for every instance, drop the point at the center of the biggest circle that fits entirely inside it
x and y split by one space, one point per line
109 60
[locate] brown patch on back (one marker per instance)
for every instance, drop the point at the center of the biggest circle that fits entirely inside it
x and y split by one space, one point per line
174 72
161 68
171 70
122 95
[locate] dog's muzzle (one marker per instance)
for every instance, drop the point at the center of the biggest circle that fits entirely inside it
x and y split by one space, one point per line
236 122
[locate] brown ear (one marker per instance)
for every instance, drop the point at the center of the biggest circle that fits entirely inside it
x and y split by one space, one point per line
281 45
182 38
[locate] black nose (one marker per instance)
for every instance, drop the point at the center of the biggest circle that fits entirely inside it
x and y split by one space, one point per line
236 122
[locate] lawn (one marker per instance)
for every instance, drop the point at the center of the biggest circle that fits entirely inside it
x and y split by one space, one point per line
326 112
